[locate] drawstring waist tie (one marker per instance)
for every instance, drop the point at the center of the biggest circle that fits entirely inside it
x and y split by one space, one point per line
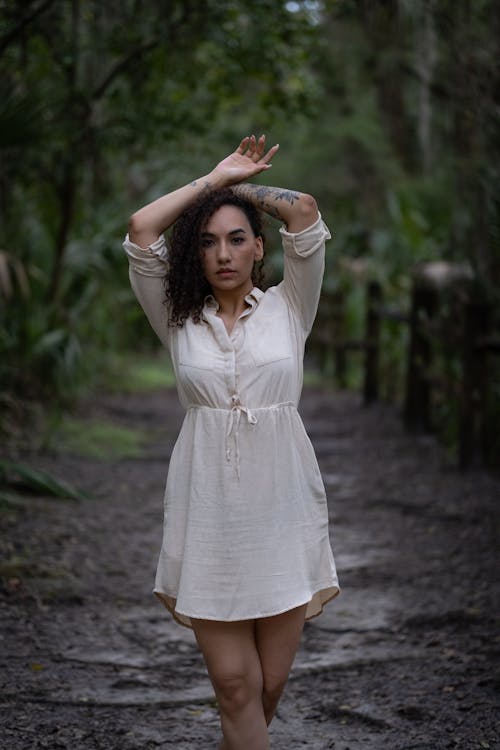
233 423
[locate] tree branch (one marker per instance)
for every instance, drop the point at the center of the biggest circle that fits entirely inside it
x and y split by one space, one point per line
17 30
115 71
439 90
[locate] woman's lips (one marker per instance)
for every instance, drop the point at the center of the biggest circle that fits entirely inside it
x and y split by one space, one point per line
225 272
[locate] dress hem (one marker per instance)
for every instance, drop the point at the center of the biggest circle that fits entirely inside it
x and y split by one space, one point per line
184 619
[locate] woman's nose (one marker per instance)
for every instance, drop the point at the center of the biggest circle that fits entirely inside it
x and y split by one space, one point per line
223 254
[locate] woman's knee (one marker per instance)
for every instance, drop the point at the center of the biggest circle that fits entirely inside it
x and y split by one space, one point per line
236 689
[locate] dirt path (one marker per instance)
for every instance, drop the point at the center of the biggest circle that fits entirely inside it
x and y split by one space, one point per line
405 658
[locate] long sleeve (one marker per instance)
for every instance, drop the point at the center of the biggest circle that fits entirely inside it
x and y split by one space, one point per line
304 265
147 270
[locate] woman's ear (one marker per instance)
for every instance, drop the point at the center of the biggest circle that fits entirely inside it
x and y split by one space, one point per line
259 250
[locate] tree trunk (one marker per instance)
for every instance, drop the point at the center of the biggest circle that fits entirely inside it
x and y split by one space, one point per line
383 29
426 60
66 196
66 191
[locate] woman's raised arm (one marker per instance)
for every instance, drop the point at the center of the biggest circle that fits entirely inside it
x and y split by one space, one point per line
249 159
296 210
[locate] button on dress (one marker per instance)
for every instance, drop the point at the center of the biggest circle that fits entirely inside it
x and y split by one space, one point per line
245 512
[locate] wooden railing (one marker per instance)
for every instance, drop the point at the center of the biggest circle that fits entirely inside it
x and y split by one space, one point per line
444 315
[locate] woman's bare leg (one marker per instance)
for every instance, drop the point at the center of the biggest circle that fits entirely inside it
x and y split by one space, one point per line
277 639
234 667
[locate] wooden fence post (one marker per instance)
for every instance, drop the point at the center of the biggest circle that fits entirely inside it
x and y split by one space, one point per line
418 390
372 342
473 438
339 358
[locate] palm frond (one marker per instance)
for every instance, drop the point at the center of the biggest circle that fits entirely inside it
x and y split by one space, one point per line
22 477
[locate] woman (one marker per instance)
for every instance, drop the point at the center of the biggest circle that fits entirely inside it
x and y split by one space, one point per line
245 556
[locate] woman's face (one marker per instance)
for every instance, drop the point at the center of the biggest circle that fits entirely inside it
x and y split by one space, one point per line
229 250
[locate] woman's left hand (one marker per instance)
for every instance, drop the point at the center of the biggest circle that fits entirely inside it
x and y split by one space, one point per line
249 159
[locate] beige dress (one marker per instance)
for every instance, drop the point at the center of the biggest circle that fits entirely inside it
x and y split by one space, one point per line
246 519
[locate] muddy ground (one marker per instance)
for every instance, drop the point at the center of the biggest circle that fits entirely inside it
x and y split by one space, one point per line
405 658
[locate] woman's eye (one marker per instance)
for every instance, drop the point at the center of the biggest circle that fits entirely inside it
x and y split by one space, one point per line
237 240
206 243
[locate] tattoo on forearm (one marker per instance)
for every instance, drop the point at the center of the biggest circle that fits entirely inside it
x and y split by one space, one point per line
266 197
206 187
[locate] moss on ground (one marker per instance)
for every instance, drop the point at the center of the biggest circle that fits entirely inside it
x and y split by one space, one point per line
99 438
129 373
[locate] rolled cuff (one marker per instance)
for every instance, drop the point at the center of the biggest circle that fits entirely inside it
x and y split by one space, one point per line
307 241
151 261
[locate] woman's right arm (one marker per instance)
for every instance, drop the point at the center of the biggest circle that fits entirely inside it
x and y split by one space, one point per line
149 222
249 159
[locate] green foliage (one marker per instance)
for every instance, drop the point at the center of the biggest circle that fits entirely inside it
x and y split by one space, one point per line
96 101
127 374
386 111
407 157
99 439
23 478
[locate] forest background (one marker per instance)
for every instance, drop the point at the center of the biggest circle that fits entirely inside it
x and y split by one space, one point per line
386 110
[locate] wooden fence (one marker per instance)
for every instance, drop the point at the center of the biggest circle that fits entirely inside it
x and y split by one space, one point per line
444 315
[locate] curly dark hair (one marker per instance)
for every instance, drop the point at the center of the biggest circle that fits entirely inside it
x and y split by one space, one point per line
185 284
